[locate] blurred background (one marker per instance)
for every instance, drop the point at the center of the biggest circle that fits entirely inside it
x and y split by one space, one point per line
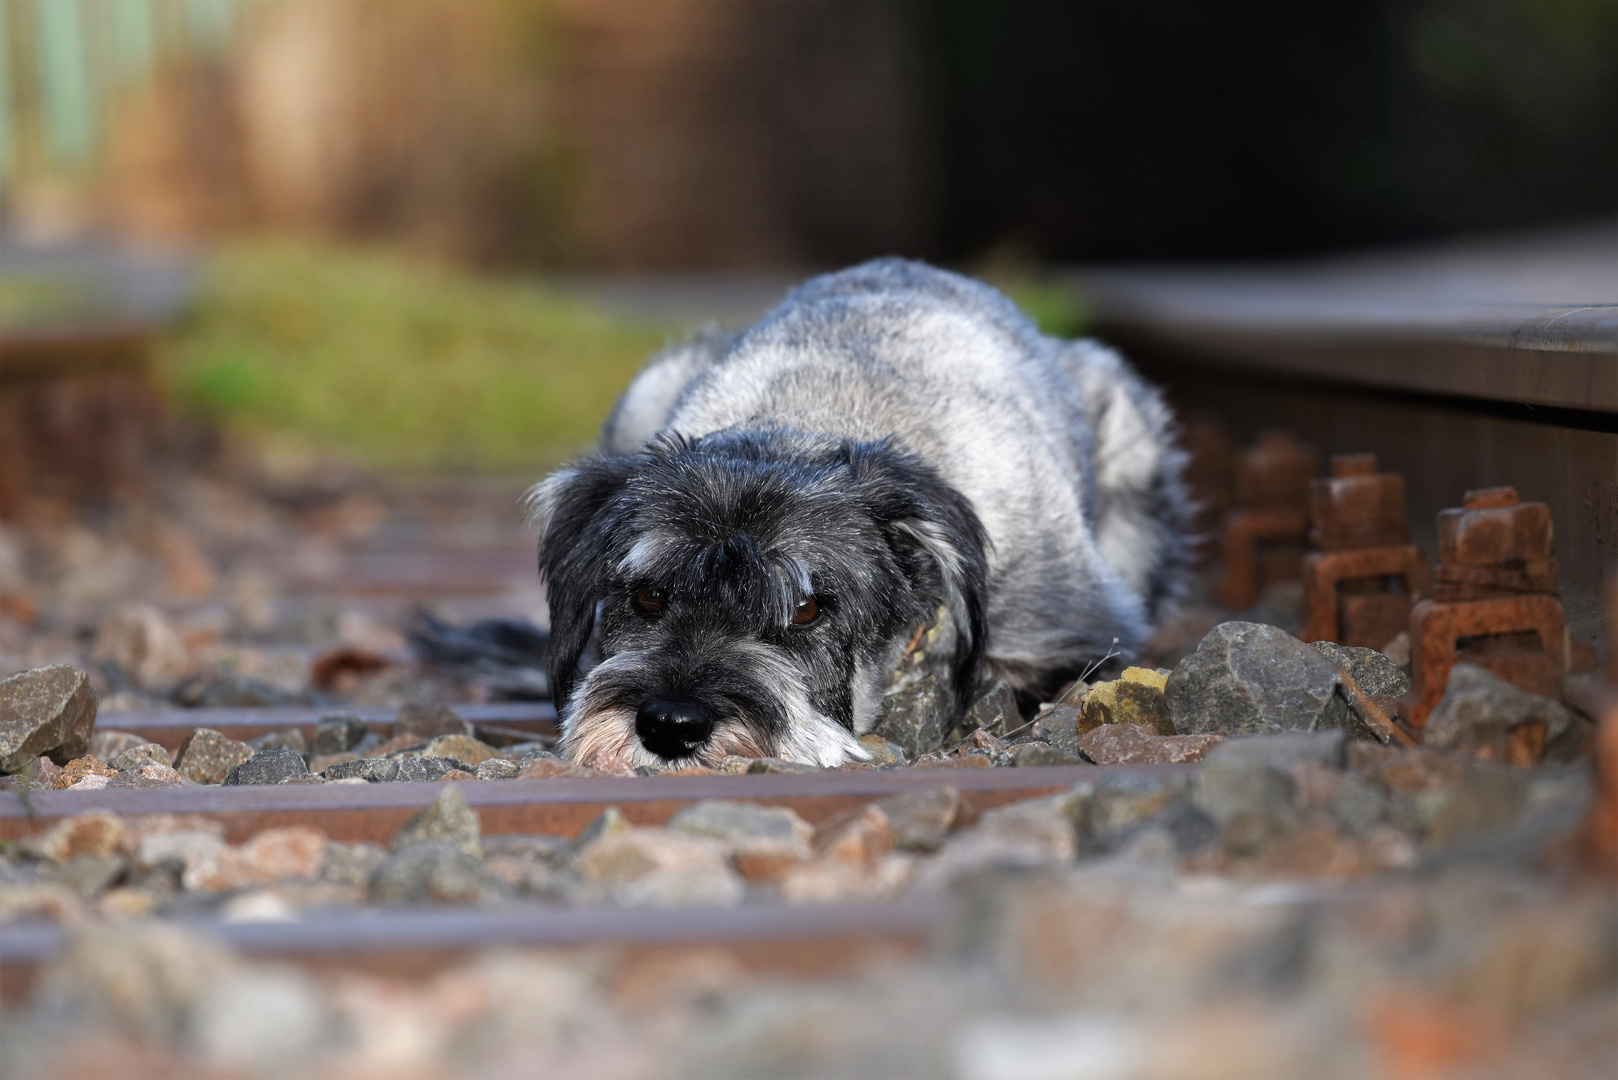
281 279
406 219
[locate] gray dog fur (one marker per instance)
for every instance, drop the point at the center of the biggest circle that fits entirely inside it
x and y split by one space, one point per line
942 441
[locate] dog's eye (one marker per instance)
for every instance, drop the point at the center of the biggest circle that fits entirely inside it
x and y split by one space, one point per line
649 600
808 611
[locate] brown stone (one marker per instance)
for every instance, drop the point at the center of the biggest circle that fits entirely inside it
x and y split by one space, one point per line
207 756
294 852
920 820
779 765
406 743
144 644
427 722
321 762
882 751
959 761
147 774
1409 772
456 776
48 710
139 755
1135 697
448 819
461 748
78 769
655 866
550 769
983 739
107 744
860 836
1133 744
97 833
498 768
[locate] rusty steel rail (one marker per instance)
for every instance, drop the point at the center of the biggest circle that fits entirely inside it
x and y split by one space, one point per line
560 806
419 942
169 727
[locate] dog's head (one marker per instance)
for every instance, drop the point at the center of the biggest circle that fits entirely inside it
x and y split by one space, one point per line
749 591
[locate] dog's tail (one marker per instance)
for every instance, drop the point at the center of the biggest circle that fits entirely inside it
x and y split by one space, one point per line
1142 512
506 655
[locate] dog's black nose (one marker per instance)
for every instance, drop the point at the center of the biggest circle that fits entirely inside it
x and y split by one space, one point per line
672 729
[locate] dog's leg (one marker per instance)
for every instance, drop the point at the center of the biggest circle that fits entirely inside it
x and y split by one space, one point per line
1142 513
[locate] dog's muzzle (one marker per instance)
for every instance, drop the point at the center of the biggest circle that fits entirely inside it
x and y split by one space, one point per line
673 729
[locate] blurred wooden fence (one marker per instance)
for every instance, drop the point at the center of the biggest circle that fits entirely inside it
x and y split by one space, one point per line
623 133
66 64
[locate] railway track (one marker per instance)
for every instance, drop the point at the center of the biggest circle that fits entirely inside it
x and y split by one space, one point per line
1257 354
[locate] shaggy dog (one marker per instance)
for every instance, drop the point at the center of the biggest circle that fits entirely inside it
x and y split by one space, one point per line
773 515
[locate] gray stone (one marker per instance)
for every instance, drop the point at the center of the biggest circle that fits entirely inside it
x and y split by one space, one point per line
1245 785
1043 753
45 711
1183 828
1488 797
338 734
291 738
107 744
145 773
1251 679
389 770
367 744
1060 725
1023 836
229 690
139 755
498 769
921 820
883 753
90 875
1135 744
145 976
1116 801
274 766
1479 710
1375 673
534 847
995 711
1285 750
429 722
448 819
1357 806
780 765
917 715
744 824
352 864
256 1022
609 822
207 756
431 873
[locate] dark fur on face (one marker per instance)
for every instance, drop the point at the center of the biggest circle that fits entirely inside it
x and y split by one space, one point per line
731 533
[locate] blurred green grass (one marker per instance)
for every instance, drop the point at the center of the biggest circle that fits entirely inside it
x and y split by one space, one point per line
399 364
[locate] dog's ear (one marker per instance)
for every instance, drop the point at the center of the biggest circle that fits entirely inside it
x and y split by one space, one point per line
568 509
939 542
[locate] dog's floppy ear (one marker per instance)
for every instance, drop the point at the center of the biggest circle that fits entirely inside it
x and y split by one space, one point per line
567 509
939 541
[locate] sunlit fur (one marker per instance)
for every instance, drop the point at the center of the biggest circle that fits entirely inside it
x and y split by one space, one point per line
890 439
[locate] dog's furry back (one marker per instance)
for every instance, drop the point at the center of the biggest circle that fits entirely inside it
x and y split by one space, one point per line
1064 452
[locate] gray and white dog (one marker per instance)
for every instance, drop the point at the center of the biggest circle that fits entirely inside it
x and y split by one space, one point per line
773 515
